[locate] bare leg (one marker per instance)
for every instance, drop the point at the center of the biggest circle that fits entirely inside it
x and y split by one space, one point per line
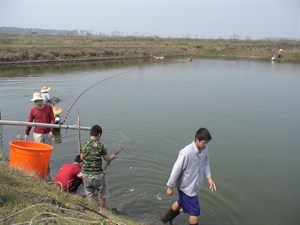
175 206
102 205
193 219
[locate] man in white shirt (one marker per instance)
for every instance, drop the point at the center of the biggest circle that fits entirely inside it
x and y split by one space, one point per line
187 174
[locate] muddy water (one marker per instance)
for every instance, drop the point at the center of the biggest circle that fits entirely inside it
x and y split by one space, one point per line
154 109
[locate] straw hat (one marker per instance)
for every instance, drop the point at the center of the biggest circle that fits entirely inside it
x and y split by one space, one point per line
57 110
36 96
45 89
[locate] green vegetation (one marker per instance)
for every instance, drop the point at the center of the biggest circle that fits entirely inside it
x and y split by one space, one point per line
50 48
25 199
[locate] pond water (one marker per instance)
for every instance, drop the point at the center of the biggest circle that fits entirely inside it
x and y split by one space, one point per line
251 108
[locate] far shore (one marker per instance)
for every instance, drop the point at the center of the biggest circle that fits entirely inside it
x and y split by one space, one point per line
84 60
31 49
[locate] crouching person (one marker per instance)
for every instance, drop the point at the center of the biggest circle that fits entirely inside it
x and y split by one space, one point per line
69 177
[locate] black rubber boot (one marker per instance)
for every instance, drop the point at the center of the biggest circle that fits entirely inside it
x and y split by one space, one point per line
170 216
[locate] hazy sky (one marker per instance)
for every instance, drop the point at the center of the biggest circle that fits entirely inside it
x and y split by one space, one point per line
254 19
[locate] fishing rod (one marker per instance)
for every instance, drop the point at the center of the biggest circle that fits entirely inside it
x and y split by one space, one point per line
33 124
116 153
96 83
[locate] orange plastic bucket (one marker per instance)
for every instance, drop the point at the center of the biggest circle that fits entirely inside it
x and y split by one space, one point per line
30 156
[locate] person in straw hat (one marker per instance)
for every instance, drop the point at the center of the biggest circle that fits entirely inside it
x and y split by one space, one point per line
56 131
57 111
40 113
45 94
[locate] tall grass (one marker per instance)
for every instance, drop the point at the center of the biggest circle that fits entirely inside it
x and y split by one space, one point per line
15 47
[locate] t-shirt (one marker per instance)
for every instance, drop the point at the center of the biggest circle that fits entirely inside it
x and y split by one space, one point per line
67 174
92 152
44 115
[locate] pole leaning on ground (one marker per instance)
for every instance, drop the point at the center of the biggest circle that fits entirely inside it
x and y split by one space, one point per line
33 124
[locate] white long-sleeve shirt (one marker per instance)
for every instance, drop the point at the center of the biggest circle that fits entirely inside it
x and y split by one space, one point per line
189 169
46 97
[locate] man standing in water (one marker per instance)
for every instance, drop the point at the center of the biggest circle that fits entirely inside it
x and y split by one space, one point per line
40 113
91 154
187 174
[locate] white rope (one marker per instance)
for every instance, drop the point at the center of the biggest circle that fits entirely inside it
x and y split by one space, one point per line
4 218
56 216
43 213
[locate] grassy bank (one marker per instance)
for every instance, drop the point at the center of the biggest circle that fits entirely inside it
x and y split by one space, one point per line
25 199
36 48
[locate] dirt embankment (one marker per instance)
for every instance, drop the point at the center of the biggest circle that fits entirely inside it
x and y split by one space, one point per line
26 199
17 48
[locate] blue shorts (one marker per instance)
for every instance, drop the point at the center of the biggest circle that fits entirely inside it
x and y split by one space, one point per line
189 204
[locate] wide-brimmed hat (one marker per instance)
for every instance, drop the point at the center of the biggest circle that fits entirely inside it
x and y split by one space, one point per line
45 89
36 96
57 110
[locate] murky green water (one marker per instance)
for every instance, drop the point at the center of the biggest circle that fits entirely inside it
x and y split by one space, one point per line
252 109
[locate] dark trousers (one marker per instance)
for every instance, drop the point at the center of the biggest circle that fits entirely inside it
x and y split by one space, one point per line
75 184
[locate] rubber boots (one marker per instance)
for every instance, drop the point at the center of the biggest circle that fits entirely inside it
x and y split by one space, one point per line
170 216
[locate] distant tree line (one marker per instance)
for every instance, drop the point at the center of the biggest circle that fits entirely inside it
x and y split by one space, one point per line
39 31
18 30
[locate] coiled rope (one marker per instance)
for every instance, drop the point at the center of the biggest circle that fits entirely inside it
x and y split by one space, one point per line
95 84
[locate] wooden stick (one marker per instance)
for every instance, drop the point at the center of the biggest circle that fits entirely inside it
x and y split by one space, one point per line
79 137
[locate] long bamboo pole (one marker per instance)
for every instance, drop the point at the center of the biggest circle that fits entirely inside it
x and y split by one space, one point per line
33 124
79 136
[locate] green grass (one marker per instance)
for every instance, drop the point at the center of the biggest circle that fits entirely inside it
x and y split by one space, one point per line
20 48
25 199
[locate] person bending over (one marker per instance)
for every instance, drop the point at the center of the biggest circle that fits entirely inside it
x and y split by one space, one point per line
69 177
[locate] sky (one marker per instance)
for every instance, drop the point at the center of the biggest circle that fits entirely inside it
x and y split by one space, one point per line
243 19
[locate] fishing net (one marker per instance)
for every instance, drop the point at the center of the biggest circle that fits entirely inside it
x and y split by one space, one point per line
126 144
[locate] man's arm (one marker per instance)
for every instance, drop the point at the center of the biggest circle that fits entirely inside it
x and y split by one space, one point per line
212 185
170 191
109 158
28 128
177 169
